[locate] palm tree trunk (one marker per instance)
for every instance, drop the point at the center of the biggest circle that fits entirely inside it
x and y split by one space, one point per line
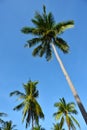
77 98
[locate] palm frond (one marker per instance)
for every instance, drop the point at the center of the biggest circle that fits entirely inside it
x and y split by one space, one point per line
50 20
48 52
36 51
25 111
19 107
61 27
27 30
76 122
33 42
57 115
17 93
3 114
59 42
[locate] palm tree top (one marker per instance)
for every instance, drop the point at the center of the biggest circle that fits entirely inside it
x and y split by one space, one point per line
32 111
65 112
47 31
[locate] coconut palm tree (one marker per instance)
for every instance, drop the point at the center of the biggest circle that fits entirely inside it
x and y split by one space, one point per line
32 111
65 112
47 38
8 126
57 126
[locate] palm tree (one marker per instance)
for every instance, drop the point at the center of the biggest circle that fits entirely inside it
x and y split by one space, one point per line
31 108
8 126
47 33
58 126
65 112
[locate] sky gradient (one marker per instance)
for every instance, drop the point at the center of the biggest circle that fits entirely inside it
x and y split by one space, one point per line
17 65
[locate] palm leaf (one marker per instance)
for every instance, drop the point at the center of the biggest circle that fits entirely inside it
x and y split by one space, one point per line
76 122
33 42
36 51
61 27
57 115
17 93
19 107
59 42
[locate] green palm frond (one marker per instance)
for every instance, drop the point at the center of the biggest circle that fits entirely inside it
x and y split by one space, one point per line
17 93
76 122
25 111
27 30
50 20
61 27
58 115
59 42
36 51
32 42
19 107
48 53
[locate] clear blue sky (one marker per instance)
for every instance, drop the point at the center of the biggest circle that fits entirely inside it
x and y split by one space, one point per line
17 65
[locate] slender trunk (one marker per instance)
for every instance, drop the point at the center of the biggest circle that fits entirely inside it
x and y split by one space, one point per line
77 98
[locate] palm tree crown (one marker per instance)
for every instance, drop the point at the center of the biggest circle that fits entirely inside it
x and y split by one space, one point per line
58 126
8 126
47 31
65 112
31 108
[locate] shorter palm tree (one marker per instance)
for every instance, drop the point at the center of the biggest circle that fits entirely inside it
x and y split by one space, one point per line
32 111
65 112
58 126
8 126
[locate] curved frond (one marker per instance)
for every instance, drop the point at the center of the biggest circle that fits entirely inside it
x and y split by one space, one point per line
36 51
19 107
3 114
58 115
59 42
33 42
61 27
17 93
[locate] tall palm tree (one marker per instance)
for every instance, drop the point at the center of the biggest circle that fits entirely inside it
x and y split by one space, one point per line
8 126
65 112
47 33
32 111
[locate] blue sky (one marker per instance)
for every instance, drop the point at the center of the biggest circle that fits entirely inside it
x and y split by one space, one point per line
17 65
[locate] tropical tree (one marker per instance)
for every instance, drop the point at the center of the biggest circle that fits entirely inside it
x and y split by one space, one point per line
8 126
58 126
32 111
47 38
65 113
